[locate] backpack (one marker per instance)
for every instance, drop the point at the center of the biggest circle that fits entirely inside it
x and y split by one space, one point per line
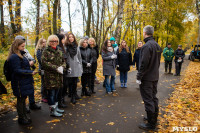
6 71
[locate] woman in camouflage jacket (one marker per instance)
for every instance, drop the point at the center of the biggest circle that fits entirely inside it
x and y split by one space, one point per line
53 65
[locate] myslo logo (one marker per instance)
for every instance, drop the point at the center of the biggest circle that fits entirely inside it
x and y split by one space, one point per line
189 129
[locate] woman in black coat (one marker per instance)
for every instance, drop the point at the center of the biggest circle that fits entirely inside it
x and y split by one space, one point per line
62 90
87 67
136 56
21 79
124 60
95 55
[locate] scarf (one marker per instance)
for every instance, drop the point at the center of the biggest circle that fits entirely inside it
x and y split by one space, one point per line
72 49
114 45
110 49
54 48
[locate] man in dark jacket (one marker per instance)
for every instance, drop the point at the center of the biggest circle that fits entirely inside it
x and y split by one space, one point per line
179 55
136 56
168 54
148 76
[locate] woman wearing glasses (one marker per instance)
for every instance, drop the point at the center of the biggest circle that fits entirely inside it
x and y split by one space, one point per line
53 65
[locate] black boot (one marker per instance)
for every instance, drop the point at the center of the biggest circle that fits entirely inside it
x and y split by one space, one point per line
92 90
87 93
73 99
34 106
145 119
151 124
24 121
76 96
170 71
61 104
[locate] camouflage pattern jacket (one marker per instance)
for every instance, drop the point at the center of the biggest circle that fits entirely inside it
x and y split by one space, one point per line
51 60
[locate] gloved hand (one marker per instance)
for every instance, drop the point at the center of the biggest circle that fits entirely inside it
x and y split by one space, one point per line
138 82
69 71
88 65
117 65
60 70
114 56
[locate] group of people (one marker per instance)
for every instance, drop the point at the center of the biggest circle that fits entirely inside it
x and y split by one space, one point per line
62 60
169 54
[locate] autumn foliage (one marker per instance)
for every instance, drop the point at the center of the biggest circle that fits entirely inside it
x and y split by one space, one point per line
183 107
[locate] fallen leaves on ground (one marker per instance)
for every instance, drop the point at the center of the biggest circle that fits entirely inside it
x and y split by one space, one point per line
110 123
183 107
53 121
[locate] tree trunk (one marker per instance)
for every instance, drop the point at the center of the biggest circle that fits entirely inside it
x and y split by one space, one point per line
59 16
101 24
55 7
119 21
11 17
69 14
83 14
18 16
93 26
2 25
37 28
198 12
49 17
97 26
89 5
129 24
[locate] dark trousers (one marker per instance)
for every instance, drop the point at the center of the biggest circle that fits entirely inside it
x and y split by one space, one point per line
94 69
21 107
72 83
43 90
31 98
86 80
148 90
63 90
53 96
166 66
178 67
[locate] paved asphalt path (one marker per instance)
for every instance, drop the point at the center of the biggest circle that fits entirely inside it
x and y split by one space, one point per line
120 113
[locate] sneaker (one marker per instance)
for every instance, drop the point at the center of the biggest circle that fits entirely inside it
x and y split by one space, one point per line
109 93
125 85
113 90
122 85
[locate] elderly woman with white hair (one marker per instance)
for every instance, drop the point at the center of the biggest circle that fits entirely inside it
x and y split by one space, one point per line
53 65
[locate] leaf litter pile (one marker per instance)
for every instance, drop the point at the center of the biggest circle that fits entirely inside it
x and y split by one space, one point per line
183 107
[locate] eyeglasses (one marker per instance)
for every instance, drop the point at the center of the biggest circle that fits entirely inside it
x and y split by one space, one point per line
54 41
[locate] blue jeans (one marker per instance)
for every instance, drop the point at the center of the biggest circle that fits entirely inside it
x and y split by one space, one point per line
123 77
109 84
52 96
